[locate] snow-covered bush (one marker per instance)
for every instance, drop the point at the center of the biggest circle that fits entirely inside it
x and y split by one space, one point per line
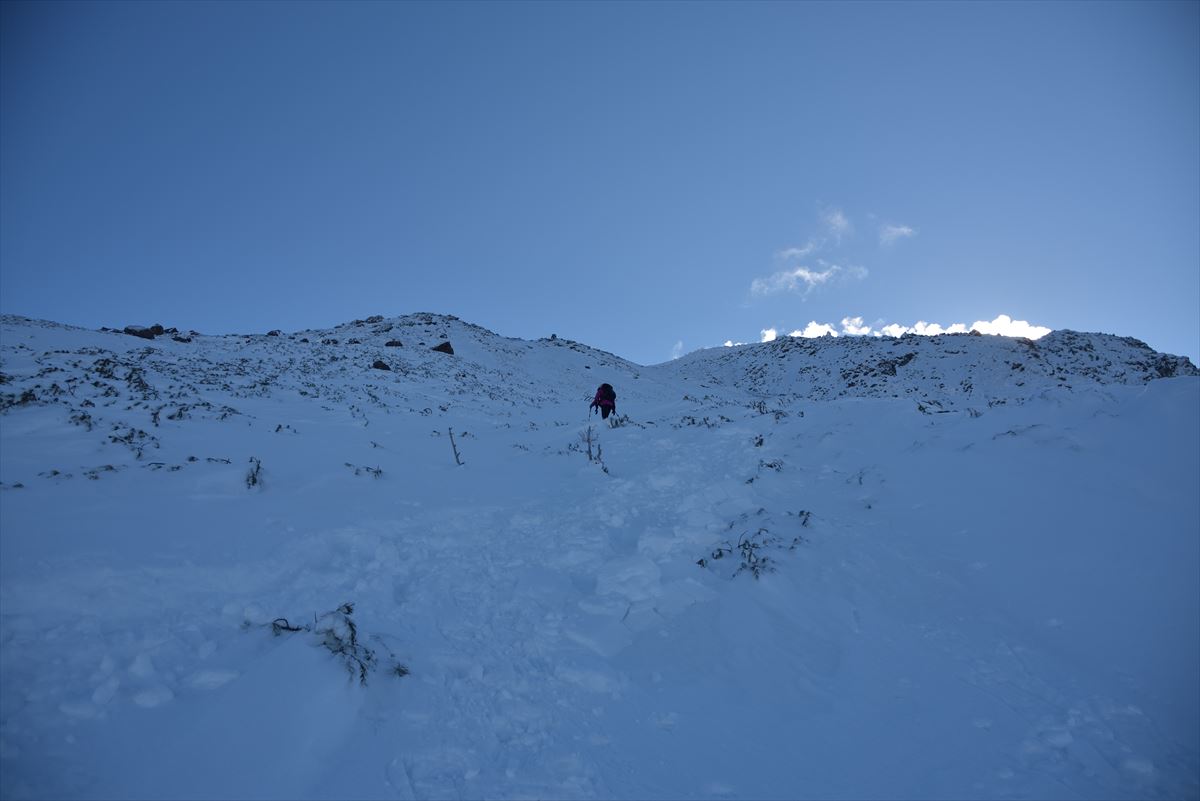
254 476
752 552
337 632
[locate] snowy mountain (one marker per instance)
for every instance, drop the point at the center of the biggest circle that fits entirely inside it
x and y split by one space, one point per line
947 371
254 566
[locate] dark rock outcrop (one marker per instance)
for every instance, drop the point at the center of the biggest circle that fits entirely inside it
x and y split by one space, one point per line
393 343
443 348
380 364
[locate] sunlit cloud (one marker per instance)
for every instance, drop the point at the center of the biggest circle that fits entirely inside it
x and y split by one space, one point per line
890 234
1006 326
1002 325
677 350
853 326
922 328
814 330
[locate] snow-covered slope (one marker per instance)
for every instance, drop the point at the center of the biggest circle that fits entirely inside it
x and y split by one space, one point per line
949 567
946 371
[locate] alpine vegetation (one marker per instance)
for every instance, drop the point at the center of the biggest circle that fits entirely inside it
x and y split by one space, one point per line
951 566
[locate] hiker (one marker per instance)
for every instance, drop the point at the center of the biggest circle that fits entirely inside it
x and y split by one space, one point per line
605 401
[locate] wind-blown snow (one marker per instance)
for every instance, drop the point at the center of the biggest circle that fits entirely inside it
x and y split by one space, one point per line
978 561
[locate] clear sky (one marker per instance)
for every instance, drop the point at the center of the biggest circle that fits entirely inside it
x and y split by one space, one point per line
647 178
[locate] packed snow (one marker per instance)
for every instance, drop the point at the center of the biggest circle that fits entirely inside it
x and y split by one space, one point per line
258 566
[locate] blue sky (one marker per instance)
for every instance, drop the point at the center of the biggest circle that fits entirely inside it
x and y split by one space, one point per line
646 178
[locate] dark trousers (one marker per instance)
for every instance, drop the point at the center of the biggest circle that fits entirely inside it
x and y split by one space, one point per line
605 411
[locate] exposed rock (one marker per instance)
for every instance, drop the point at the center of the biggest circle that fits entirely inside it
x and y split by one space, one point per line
888 366
1168 366
179 338
274 332
443 348
380 364
139 331
393 343
375 318
329 341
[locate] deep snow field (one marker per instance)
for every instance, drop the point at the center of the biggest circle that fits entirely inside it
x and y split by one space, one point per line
978 568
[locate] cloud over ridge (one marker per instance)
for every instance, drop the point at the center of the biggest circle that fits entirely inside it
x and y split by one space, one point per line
1002 325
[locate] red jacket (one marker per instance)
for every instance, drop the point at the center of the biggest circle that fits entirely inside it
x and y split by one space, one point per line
603 400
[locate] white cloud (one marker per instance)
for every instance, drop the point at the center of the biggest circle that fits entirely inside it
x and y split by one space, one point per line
677 350
922 328
805 279
889 234
1002 325
729 343
792 280
836 223
815 329
812 246
1006 326
854 327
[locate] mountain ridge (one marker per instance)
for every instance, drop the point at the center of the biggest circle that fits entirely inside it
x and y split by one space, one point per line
940 373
